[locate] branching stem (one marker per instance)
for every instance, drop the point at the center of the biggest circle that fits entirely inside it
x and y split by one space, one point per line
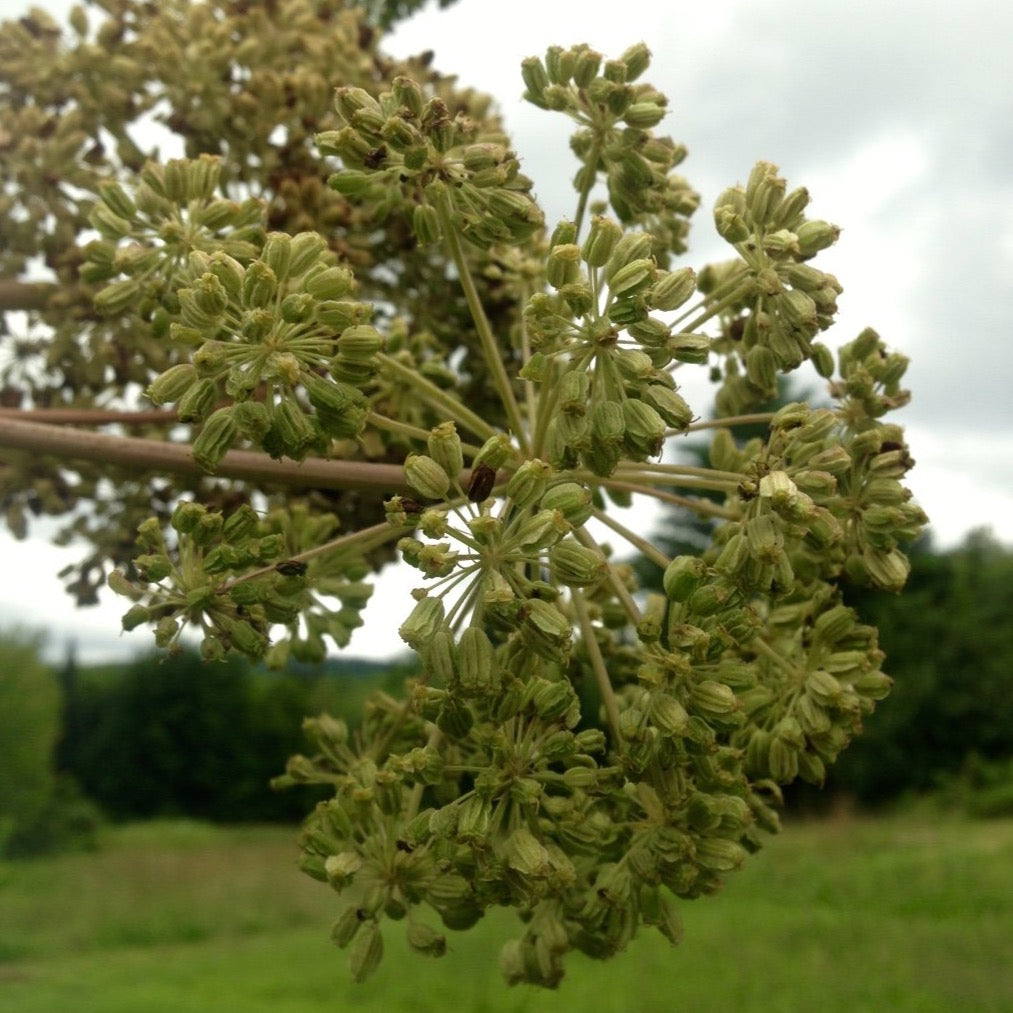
490 347
437 397
601 675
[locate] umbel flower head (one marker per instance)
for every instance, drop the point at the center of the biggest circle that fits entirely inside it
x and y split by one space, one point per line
349 274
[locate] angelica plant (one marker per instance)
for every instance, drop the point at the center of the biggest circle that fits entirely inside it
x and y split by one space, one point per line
344 332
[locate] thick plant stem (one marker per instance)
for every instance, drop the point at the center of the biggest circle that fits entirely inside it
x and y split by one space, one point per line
92 416
174 458
25 295
491 351
601 676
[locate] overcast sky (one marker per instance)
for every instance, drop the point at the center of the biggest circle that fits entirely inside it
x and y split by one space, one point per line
898 117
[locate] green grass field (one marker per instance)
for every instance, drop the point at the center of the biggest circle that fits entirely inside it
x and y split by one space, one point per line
902 914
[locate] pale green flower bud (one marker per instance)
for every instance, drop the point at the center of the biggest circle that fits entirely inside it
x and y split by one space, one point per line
834 625
330 283
339 315
690 348
653 334
117 297
426 477
672 288
572 500
783 761
888 570
730 224
366 952
764 537
422 624
424 939
636 60
341 868
823 687
540 531
632 247
644 115
631 276
426 223
305 250
574 392
708 599
291 429
789 213
811 715
811 769
586 67
798 309
823 359
634 365
601 241
277 253
260 285
608 424
297 308
445 449
668 715
719 854
217 435
535 78
713 699
528 482
346 926
116 200
524 853
563 265
734 555
476 661
439 657
196 401
872 685
495 452
135 616
172 384
201 176
547 624
559 64
575 565
761 368
645 428
348 101
671 406
173 181
401 135
764 192
814 236
683 576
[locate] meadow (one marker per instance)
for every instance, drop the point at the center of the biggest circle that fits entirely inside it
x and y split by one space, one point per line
911 912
